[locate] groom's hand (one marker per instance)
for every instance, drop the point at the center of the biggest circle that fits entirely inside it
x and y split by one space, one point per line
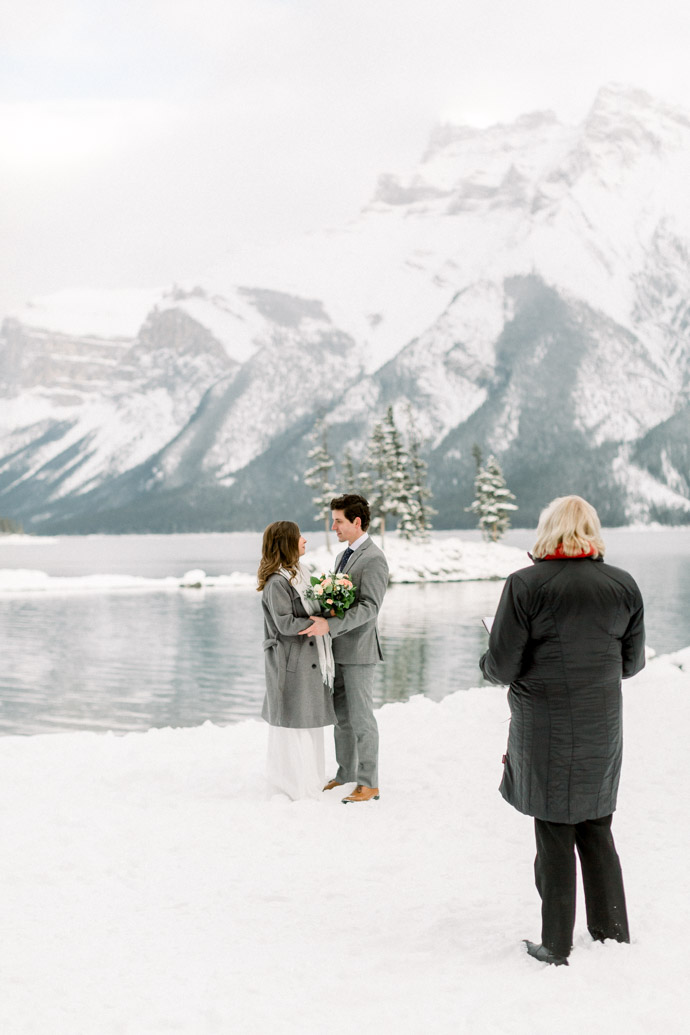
318 628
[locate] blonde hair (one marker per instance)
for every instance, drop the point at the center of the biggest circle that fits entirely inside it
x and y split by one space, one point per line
571 523
280 549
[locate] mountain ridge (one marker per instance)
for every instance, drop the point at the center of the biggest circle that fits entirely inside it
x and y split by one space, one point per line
526 288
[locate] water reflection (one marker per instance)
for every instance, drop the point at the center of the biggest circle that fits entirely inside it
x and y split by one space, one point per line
432 638
127 662
131 661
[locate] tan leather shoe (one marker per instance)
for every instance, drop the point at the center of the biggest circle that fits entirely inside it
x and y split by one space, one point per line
362 793
331 784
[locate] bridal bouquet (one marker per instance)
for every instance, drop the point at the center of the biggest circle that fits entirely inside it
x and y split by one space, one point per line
333 590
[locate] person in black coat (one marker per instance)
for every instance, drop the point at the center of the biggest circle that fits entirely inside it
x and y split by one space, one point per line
566 631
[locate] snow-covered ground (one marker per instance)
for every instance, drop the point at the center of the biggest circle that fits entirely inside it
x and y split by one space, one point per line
443 560
151 884
24 539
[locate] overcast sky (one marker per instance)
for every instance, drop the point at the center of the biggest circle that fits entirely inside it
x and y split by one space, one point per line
143 139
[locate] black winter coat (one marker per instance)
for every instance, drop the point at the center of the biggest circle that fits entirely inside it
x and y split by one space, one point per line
565 633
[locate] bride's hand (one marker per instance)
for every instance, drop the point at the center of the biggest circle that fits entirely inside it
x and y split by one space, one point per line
319 627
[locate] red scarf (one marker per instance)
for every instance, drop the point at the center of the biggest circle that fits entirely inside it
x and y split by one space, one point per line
559 555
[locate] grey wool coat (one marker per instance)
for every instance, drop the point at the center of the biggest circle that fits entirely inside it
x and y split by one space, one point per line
356 635
565 633
296 696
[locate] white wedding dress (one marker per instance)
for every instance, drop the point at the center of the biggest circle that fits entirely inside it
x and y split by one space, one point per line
296 763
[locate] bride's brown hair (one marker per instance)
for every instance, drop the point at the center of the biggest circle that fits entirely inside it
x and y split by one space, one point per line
280 549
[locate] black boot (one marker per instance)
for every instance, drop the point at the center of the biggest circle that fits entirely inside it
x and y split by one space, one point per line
544 955
616 934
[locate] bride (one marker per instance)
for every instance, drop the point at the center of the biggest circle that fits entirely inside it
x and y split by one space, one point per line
299 669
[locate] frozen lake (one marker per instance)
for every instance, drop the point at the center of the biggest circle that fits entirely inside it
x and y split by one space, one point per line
133 660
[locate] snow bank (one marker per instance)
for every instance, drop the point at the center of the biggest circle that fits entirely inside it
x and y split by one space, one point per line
24 539
442 560
681 658
152 884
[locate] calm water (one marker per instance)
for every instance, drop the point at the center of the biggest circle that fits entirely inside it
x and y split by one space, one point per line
132 660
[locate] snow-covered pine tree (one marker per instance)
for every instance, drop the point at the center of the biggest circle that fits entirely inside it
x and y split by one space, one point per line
401 500
477 454
376 477
395 481
420 492
492 501
407 522
349 475
318 476
365 483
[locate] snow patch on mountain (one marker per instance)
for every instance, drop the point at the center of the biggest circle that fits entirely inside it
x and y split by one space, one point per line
612 407
644 491
299 370
525 287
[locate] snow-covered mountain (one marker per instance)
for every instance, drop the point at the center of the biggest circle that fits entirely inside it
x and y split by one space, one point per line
526 288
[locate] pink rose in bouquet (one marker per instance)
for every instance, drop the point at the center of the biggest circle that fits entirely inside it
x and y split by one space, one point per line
334 591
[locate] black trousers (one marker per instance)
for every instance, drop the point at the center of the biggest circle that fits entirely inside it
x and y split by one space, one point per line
554 871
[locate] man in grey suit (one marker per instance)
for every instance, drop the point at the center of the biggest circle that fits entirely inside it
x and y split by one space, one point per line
356 650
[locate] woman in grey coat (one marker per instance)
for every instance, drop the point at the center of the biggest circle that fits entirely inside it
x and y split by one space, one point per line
299 669
567 630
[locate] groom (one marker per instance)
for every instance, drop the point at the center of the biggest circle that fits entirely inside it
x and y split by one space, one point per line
356 650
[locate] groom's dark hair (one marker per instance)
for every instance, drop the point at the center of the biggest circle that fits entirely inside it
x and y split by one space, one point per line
353 506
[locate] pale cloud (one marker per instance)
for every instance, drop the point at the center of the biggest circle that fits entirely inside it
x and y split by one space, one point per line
144 139
78 135
32 20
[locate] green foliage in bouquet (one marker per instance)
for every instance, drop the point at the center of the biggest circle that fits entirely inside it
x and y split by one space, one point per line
334 591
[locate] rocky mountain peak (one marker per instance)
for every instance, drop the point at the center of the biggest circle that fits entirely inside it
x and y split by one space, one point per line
465 166
525 288
454 138
632 121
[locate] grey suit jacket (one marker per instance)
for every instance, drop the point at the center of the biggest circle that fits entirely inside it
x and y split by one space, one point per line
356 634
295 693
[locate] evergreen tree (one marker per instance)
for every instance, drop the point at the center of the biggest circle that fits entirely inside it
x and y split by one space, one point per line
492 501
422 511
401 499
377 480
408 526
477 454
318 476
366 485
349 475
394 480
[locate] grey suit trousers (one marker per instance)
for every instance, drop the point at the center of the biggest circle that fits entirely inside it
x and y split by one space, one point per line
356 731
